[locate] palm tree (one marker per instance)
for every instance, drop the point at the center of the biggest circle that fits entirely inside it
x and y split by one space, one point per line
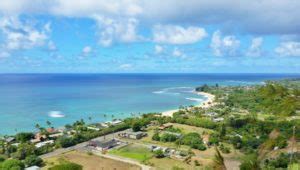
48 123
90 119
38 127
112 117
219 163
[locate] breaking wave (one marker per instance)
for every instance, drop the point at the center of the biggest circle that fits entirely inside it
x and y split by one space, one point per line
56 114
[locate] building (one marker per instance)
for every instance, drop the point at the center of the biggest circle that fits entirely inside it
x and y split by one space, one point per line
178 135
56 135
9 139
95 126
211 114
219 119
33 168
165 126
132 135
104 145
41 144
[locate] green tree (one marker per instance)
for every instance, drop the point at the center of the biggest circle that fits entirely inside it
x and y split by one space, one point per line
12 164
250 162
24 137
66 166
33 160
159 153
219 163
48 123
136 126
156 137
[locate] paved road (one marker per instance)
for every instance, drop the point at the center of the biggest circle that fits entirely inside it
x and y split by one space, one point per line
78 146
81 146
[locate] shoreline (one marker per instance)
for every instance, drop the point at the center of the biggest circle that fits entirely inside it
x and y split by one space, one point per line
209 102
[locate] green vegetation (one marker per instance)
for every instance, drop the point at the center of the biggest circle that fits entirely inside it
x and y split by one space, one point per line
193 140
66 166
12 164
137 152
260 121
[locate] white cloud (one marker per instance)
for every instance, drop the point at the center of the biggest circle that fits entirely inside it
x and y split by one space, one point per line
86 51
255 47
88 8
125 66
158 49
114 31
51 46
174 34
192 12
289 48
4 54
224 46
19 35
178 53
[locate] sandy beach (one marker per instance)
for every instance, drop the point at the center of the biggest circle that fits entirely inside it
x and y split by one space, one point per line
206 104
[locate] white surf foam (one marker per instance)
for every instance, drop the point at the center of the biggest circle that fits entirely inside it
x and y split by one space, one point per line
56 114
194 99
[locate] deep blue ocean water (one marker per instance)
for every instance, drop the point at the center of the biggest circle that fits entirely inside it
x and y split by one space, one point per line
27 99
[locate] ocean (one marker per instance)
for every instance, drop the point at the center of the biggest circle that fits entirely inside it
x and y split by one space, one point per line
28 99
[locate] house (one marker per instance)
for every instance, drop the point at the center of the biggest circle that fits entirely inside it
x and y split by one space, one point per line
219 119
9 139
116 122
165 126
105 124
38 137
95 126
56 135
33 168
178 135
132 135
51 130
41 144
211 114
104 145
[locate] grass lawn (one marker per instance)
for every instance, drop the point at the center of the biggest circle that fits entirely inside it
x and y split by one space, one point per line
167 163
89 162
133 151
188 128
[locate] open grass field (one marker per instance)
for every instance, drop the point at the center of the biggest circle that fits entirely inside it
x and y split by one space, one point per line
167 163
133 151
89 162
188 129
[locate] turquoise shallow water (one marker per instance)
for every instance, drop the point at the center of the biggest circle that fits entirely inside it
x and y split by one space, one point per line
27 99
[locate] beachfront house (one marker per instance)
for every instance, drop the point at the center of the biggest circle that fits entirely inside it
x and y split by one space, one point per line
104 145
95 126
10 139
41 144
56 135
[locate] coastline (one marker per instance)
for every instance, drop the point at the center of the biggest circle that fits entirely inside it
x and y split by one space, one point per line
205 104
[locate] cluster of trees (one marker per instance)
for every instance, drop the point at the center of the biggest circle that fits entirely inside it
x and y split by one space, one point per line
26 154
166 137
193 140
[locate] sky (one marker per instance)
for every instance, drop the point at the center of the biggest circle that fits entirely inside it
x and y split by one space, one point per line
142 36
